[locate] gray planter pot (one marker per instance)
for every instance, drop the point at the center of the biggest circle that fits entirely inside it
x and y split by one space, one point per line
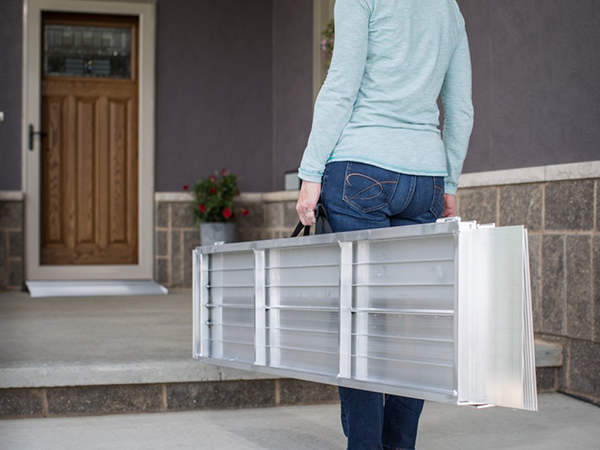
211 232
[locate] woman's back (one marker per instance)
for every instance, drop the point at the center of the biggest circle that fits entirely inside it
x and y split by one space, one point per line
378 105
409 49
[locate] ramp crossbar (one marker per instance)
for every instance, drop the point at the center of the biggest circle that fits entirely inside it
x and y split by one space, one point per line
439 311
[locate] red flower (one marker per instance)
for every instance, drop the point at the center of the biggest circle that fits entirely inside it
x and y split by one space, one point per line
213 190
185 187
245 212
212 178
223 171
202 208
227 213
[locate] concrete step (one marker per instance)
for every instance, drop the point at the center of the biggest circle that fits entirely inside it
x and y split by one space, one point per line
548 355
155 386
85 356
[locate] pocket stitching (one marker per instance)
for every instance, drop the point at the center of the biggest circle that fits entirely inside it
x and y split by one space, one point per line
375 183
350 200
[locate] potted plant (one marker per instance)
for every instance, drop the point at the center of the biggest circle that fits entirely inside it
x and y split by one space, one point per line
213 207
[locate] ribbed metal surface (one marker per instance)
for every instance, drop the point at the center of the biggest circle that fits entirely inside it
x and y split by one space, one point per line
439 311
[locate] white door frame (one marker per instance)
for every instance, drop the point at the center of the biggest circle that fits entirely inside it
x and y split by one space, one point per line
32 12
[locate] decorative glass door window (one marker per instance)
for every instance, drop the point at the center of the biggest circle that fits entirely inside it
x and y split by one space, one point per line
87 51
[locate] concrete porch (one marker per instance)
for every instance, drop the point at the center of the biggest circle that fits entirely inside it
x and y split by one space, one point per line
103 355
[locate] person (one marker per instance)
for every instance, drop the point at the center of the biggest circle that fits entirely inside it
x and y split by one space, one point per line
376 158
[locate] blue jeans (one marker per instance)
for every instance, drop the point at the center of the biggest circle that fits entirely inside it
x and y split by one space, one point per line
360 196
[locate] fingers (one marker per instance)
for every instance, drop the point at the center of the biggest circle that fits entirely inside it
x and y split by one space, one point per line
448 211
310 218
306 214
307 202
449 205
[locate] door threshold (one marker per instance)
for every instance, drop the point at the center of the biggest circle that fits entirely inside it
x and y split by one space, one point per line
94 288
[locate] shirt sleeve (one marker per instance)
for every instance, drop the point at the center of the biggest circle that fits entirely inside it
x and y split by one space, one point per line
458 112
335 101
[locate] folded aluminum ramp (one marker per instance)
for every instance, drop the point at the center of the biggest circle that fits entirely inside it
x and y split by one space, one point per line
439 311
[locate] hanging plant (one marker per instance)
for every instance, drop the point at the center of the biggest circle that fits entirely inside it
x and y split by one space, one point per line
328 36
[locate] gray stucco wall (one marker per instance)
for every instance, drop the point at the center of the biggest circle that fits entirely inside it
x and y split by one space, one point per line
536 66
214 85
234 87
11 30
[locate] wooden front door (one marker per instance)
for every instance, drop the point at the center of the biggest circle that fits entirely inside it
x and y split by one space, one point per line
89 162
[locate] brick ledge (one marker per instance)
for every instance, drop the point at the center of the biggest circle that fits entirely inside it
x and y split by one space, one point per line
539 174
249 197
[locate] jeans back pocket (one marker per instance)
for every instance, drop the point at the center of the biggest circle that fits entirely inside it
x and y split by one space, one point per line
369 188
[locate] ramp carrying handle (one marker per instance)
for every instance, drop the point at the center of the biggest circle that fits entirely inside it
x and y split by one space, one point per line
322 223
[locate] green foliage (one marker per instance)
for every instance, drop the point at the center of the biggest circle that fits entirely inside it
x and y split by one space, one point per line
328 37
213 197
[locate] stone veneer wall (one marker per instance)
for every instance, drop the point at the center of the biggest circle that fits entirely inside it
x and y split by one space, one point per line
176 236
272 215
11 243
562 218
563 221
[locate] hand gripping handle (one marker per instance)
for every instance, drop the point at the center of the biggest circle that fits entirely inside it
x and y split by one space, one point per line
322 223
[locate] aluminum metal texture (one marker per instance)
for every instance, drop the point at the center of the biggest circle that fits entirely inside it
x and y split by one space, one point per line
439 311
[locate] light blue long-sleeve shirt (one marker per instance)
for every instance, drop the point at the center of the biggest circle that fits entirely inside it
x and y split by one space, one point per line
378 105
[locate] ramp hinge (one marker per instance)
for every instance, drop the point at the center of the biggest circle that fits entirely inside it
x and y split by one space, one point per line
448 219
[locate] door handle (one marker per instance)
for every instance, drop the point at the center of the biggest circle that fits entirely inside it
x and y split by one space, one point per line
32 135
